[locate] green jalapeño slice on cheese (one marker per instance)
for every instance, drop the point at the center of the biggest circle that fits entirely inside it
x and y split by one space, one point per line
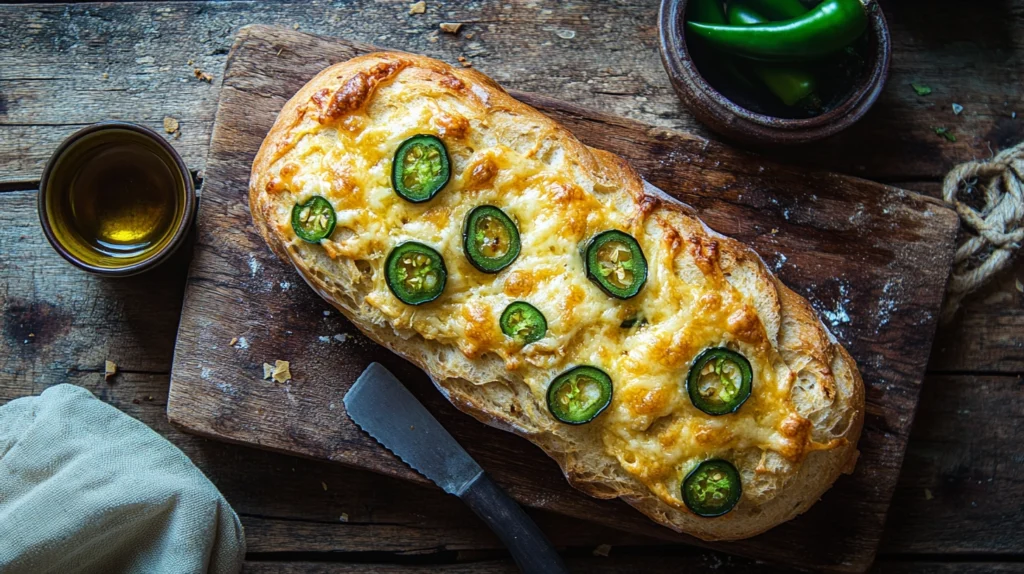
720 381
712 488
523 322
421 168
578 395
490 239
415 273
615 262
313 220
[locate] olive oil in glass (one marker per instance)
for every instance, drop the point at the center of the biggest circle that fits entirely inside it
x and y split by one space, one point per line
117 199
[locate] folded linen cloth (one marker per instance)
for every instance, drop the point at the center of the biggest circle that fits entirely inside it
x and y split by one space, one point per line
86 488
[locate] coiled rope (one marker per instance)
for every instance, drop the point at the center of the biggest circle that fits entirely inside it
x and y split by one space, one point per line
992 222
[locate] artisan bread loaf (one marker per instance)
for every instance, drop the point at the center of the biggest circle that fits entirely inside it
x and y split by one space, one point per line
337 139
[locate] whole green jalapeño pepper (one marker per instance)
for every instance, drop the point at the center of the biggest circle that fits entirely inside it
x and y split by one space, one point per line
828 28
777 9
711 12
795 87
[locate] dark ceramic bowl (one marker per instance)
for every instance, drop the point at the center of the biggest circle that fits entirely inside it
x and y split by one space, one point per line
741 121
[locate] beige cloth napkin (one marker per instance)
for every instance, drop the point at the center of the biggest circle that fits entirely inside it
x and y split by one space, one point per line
86 488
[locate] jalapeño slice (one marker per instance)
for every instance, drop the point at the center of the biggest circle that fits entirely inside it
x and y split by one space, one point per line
313 220
712 488
415 273
615 262
578 395
720 381
490 239
523 322
421 168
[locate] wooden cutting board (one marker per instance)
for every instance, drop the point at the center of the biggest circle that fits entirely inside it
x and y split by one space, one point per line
872 259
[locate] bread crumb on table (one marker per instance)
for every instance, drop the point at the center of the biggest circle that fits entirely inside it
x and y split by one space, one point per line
451 27
281 373
418 8
202 76
109 370
170 125
268 370
602 550
233 341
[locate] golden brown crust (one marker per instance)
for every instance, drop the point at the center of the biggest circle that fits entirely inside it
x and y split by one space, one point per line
817 440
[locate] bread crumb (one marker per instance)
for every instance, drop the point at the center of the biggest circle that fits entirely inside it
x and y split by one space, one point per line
202 76
109 370
170 125
465 63
470 35
281 371
106 76
928 494
191 61
602 550
233 341
418 8
343 517
295 26
451 27
268 371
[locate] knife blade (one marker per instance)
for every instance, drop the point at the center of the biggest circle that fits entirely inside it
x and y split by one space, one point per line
381 405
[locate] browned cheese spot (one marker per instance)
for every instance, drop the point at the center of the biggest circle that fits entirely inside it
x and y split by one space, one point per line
356 91
480 330
483 172
519 283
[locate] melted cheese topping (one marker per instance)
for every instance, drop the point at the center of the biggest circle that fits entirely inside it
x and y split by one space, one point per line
651 426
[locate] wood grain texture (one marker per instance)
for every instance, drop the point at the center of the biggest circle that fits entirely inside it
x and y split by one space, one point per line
285 509
69 65
964 56
872 258
966 456
615 564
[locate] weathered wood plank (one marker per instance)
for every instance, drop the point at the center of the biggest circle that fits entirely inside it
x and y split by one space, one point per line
58 320
881 303
628 564
285 506
601 55
963 477
287 510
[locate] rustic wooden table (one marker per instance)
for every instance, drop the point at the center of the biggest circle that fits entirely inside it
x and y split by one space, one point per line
960 503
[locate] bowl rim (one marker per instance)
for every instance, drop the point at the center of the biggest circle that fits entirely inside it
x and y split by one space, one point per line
735 120
180 232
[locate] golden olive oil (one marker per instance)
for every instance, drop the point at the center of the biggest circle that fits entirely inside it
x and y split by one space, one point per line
116 198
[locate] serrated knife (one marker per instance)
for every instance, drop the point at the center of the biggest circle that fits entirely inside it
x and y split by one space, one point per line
381 405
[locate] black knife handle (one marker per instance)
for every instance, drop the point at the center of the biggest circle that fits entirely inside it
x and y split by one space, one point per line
528 545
